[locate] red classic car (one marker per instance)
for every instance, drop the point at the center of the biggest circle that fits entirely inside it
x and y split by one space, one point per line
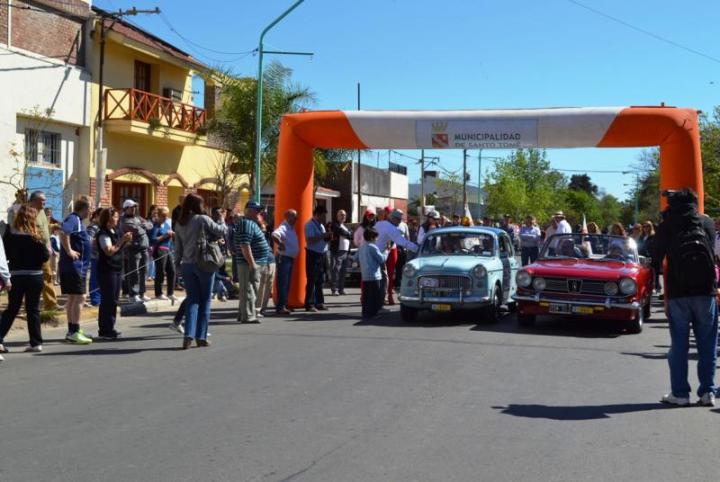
583 275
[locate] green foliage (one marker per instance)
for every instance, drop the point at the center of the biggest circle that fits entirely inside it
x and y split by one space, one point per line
234 121
581 182
710 147
524 183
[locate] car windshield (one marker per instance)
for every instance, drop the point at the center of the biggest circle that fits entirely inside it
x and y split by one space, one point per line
458 243
596 247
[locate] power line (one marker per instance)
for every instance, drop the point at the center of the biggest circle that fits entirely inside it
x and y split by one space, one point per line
645 32
242 54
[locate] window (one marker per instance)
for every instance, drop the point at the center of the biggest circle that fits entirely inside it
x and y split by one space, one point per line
42 147
142 76
506 250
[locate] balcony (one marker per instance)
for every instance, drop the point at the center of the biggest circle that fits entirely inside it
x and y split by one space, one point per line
133 111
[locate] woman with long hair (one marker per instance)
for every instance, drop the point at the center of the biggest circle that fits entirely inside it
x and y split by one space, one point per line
198 283
26 252
109 246
617 229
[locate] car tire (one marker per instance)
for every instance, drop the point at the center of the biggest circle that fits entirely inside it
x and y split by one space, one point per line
408 314
492 313
526 320
635 325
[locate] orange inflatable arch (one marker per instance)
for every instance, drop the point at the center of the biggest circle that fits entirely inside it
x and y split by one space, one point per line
674 130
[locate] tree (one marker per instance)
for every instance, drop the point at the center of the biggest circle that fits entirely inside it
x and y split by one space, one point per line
231 180
449 189
234 123
581 182
523 184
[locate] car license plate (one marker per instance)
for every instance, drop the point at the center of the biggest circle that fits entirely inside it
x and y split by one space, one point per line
583 310
441 307
559 308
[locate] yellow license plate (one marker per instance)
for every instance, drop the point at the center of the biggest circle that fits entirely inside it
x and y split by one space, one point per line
441 307
584 310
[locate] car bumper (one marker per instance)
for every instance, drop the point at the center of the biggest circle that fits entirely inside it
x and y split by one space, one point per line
611 309
427 302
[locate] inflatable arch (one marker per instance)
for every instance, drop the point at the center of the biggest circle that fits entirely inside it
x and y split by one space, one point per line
674 130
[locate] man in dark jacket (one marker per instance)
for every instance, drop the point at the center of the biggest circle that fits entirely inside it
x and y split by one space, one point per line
135 259
685 239
339 249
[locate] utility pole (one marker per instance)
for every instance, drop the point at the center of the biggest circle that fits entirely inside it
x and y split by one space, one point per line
259 93
100 152
479 194
359 166
422 182
465 198
637 196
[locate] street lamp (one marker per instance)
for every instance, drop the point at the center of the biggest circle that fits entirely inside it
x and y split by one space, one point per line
259 95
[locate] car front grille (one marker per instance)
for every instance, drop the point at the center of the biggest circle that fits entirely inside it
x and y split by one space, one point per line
450 283
574 285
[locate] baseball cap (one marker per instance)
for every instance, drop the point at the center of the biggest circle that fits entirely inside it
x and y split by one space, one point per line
433 214
397 214
129 203
369 212
254 205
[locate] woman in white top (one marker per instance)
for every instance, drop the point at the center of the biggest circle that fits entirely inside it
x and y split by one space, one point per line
367 221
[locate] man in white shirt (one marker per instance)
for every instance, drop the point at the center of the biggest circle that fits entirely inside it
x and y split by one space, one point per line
559 225
389 233
288 249
431 222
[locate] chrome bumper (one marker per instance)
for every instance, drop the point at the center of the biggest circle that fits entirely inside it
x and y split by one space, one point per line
443 299
608 303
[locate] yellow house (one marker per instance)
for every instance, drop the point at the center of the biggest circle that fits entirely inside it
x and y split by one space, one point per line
155 140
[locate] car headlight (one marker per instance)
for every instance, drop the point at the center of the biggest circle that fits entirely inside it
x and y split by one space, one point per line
523 279
479 271
628 286
409 271
539 284
610 288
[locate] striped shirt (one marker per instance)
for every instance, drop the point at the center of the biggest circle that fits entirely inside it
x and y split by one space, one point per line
248 233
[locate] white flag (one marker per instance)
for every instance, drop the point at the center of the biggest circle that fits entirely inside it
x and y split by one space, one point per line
467 219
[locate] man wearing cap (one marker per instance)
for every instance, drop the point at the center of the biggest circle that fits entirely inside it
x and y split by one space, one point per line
390 235
134 258
431 222
317 239
253 254
558 225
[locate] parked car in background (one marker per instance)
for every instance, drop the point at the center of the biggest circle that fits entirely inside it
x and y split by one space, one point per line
587 276
460 268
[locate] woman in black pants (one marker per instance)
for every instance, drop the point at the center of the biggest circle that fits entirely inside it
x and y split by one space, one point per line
109 248
26 254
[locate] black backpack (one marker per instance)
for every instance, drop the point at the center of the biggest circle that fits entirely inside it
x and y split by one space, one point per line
691 258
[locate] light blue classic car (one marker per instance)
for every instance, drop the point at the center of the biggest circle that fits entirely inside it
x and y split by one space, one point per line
460 268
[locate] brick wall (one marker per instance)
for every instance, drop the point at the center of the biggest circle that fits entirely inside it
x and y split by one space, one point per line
3 24
161 195
49 33
105 201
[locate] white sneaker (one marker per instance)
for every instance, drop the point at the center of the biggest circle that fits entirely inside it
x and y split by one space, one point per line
135 299
33 349
671 399
4 349
707 400
145 298
162 297
178 328
2 359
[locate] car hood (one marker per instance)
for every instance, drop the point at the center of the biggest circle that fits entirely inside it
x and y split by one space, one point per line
583 268
448 264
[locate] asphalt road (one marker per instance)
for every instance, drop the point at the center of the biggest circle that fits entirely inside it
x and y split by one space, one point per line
328 398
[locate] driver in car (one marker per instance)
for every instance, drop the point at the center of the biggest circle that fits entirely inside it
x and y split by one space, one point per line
568 248
617 252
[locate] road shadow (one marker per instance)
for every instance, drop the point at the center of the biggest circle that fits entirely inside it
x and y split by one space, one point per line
558 327
575 413
111 351
393 319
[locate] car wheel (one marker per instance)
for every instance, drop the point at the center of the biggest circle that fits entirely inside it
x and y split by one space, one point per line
492 312
636 324
526 320
408 315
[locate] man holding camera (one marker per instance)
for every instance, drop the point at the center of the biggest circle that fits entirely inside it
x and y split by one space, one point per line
685 238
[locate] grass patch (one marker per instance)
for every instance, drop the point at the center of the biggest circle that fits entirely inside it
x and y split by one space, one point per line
49 317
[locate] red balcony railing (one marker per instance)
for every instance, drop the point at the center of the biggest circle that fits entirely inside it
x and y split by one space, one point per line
138 105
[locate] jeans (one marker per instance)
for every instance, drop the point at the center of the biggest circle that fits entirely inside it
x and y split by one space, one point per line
338 269
315 274
28 287
700 312
198 289
149 265
164 265
134 270
95 295
372 295
109 282
529 255
249 285
267 278
284 276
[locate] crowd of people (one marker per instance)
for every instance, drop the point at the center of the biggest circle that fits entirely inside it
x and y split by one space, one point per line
118 251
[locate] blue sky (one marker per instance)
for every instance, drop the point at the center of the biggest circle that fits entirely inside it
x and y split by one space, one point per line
423 54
